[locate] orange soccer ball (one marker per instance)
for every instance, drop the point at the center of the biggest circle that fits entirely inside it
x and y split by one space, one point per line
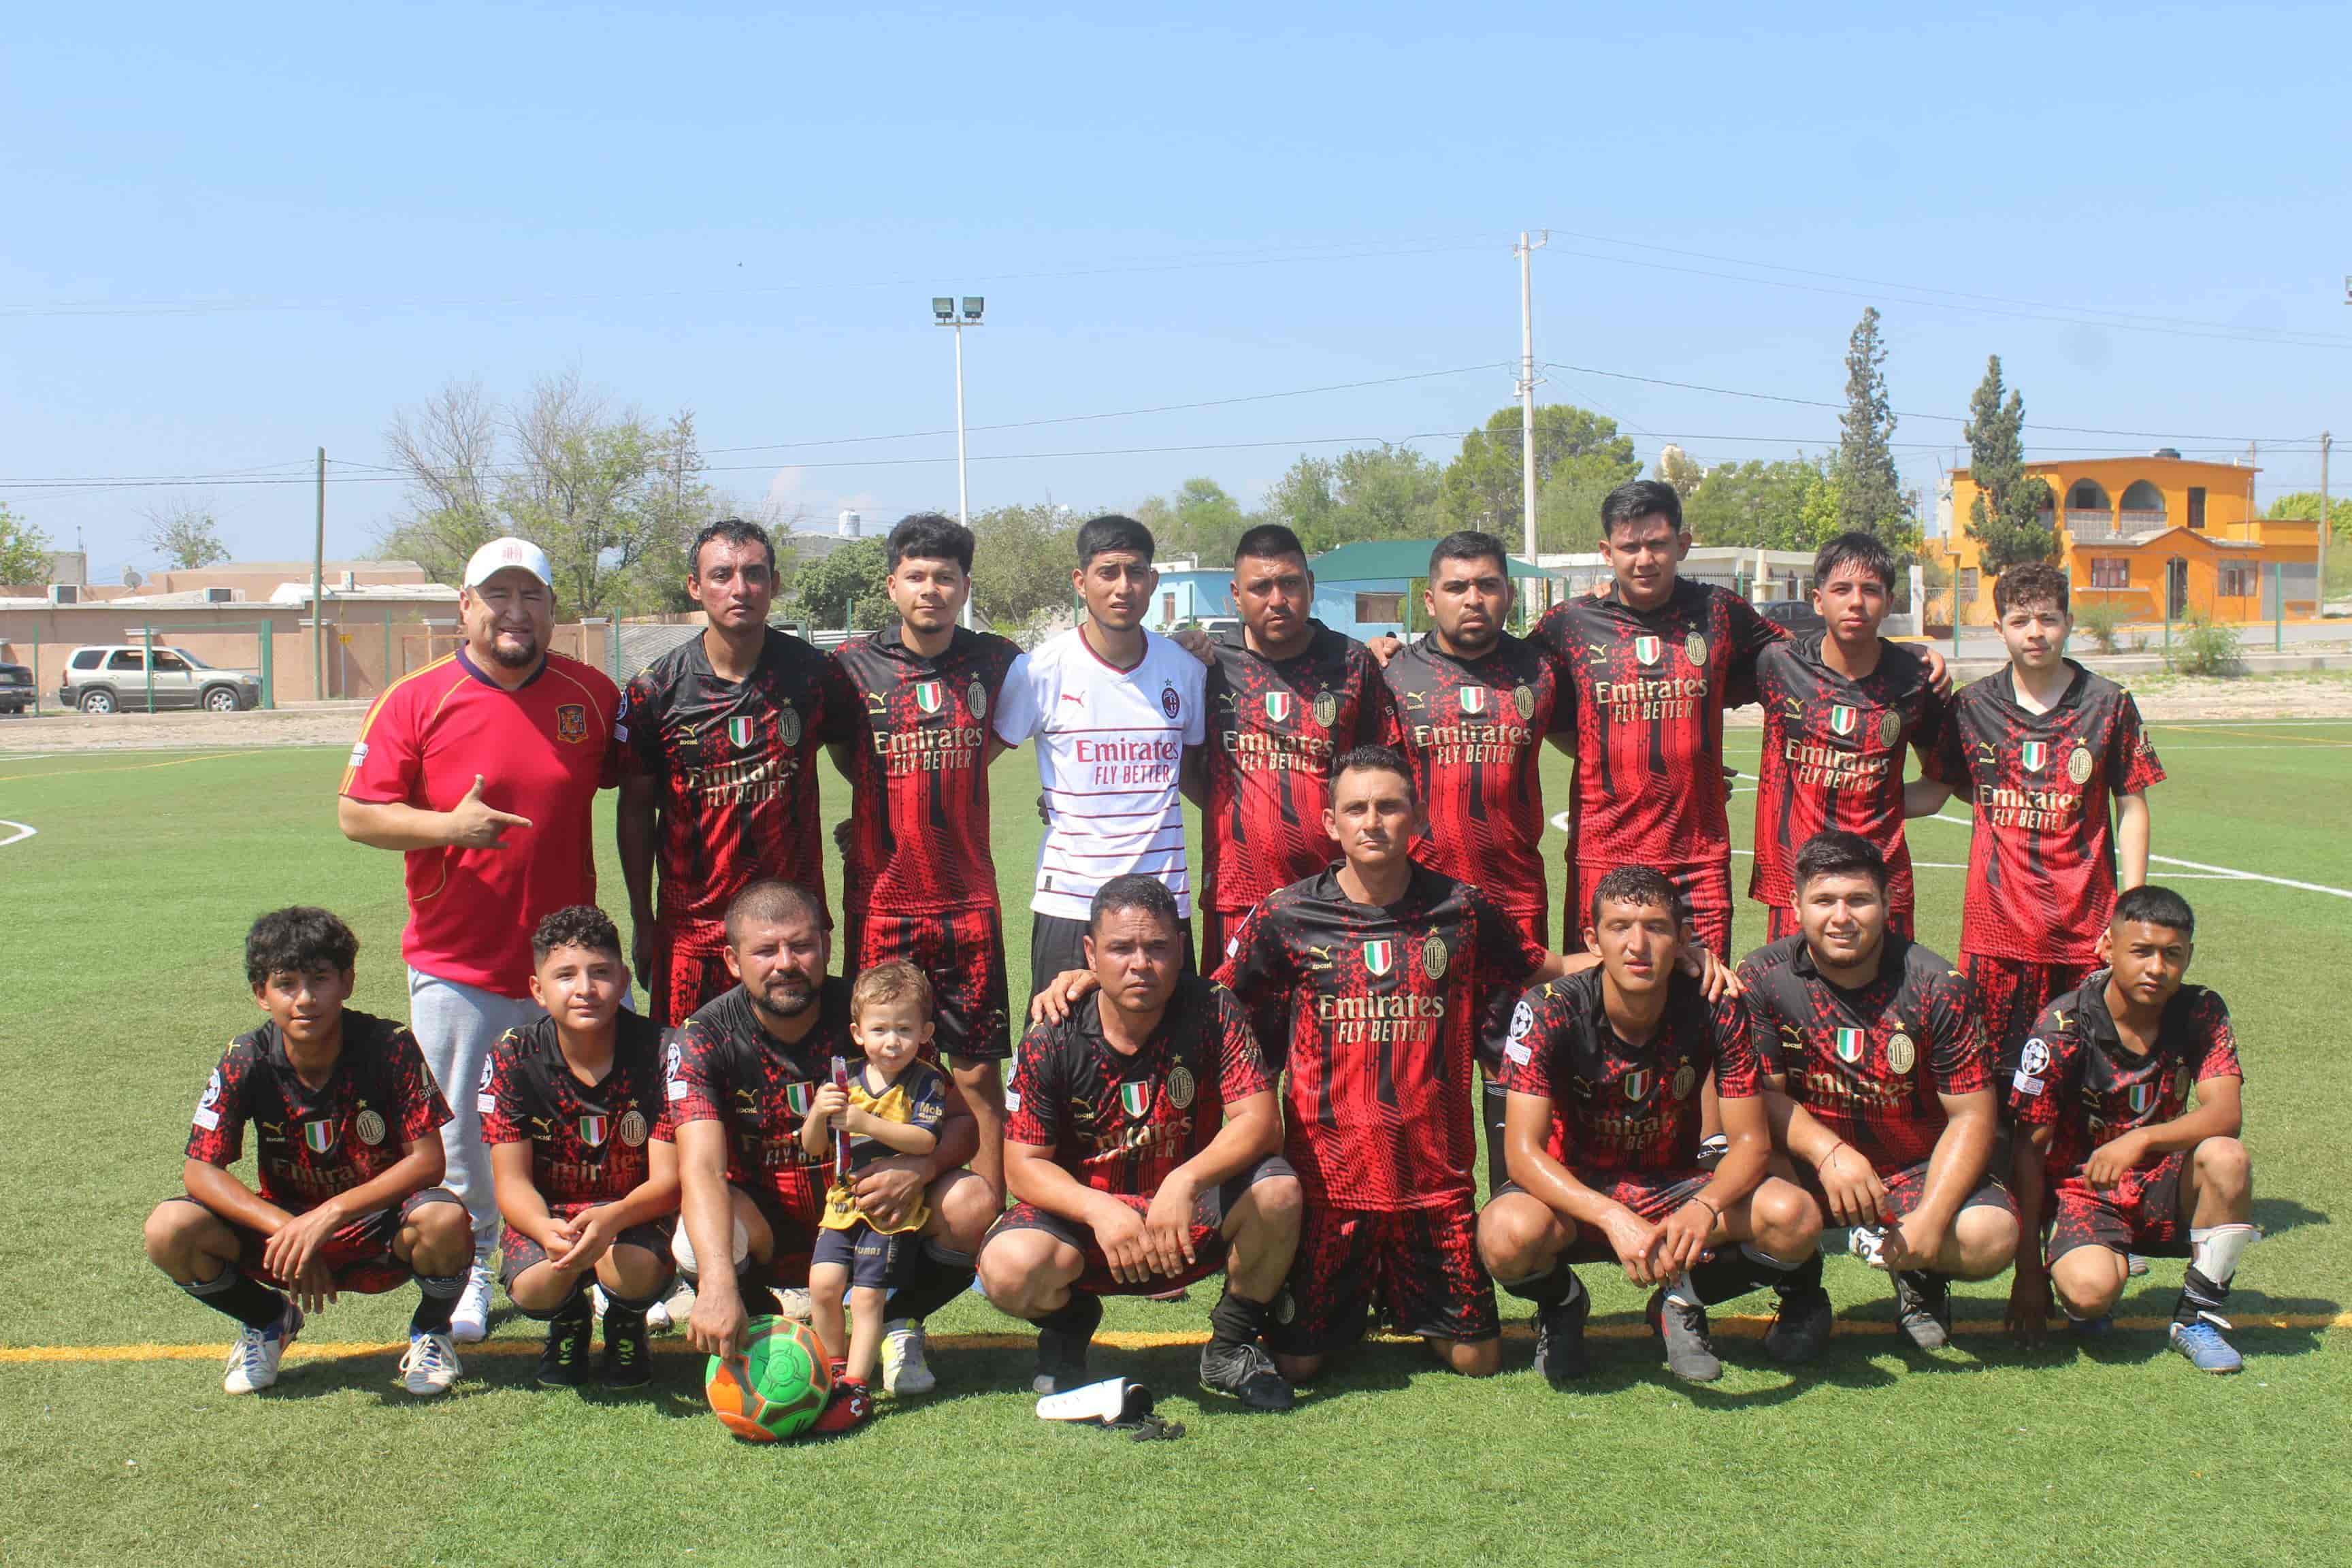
777 1387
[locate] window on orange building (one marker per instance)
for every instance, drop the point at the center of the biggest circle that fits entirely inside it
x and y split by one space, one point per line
2110 571
2238 582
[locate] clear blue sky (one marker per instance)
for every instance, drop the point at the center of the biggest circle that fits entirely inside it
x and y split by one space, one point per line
234 236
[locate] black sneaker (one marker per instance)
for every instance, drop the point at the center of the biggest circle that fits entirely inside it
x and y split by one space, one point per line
1246 1372
1559 1340
1690 1351
1801 1327
1923 1307
564 1359
1062 1353
628 1357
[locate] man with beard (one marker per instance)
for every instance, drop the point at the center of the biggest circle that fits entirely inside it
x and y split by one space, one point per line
718 785
743 1073
480 769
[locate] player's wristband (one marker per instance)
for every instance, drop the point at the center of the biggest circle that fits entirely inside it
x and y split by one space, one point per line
1709 1208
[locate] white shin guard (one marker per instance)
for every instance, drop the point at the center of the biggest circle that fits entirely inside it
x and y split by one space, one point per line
2214 1250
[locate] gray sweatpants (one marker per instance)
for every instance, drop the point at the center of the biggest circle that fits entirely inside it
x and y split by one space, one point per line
455 1025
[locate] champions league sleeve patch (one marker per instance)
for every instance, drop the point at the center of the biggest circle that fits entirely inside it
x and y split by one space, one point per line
1523 1023
2025 1083
208 1104
2034 1060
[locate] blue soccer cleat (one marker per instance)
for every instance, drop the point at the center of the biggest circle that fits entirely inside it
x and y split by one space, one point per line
2202 1343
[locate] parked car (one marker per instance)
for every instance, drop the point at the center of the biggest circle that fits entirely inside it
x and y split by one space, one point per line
16 680
1796 616
113 679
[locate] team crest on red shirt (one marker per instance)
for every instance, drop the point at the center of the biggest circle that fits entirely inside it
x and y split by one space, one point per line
1523 697
572 722
369 1126
591 1131
633 1127
975 697
2035 756
2078 764
1327 709
1843 720
930 695
1649 649
1170 703
1277 707
1694 648
1473 699
1380 957
1434 958
1890 725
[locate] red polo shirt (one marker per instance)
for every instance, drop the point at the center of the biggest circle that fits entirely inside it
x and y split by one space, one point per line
542 751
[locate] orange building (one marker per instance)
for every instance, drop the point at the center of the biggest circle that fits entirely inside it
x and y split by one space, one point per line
2155 535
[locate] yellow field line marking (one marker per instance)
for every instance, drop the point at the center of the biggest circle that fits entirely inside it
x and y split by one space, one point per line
1747 1327
134 768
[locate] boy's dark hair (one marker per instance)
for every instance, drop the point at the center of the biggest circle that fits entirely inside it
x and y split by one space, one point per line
1269 541
1100 535
734 531
2157 907
930 536
1637 499
773 898
580 925
1469 545
1639 886
1375 760
295 941
2032 582
1838 853
1133 891
1856 548
893 980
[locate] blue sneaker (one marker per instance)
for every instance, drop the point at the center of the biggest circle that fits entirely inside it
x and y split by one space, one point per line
2202 1343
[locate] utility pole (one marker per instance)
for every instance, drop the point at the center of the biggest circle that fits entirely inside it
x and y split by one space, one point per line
1526 250
2326 523
318 591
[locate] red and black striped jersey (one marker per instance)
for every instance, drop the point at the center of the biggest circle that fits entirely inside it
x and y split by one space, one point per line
1622 1107
723 1066
1275 727
1378 1012
312 1143
1121 1122
1649 690
2076 1077
1869 1063
588 1142
1474 730
913 735
734 769
1833 757
2042 866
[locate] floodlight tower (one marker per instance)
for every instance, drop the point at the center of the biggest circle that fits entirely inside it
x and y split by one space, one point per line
944 314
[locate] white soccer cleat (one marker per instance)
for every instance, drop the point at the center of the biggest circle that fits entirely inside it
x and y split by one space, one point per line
431 1364
904 1370
664 1316
253 1360
794 1304
470 1324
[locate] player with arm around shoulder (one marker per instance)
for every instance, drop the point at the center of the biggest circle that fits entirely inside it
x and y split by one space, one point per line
1143 1154
348 1165
1603 1070
582 1152
2110 1154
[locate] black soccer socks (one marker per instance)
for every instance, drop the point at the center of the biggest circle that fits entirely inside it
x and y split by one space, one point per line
239 1295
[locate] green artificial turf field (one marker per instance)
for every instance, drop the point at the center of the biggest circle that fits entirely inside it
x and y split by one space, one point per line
120 980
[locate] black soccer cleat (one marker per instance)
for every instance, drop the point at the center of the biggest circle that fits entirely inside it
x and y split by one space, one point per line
1923 1308
1801 1327
564 1359
1246 1372
1062 1349
628 1356
1559 1340
1683 1327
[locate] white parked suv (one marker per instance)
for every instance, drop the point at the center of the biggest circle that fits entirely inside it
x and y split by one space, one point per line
113 679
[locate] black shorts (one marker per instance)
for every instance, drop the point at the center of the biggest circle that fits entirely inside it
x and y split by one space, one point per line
518 1252
1056 944
360 1252
1418 1267
2139 1213
871 1256
1652 1195
962 950
1207 1236
1905 1187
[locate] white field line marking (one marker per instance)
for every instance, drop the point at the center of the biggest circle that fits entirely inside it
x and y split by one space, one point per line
24 830
2222 873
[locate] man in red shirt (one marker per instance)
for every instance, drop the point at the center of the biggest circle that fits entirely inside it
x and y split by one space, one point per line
481 770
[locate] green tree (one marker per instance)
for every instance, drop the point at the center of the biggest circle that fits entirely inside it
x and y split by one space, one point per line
1869 494
1200 520
185 535
843 588
1680 469
1754 503
1367 492
2005 517
24 551
1021 568
2305 504
1483 482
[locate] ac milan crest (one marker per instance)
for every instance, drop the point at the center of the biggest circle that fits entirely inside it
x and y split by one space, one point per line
1380 957
1434 958
1694 648
2078 764
633 1128
1180 1087
1890 726
1902 1056
975 697
369 1126
1327 709
1523 700
788 725
1170 703
1685 1079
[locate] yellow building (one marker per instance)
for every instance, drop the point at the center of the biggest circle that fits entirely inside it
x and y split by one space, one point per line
2145 533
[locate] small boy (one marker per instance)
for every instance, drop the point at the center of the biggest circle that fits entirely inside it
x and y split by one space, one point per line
582 1152
349 1164
893 1105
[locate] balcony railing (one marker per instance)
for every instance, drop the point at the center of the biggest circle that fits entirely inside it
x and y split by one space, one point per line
2138 522
2096 518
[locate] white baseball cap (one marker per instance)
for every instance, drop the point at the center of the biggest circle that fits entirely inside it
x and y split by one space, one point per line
500 554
